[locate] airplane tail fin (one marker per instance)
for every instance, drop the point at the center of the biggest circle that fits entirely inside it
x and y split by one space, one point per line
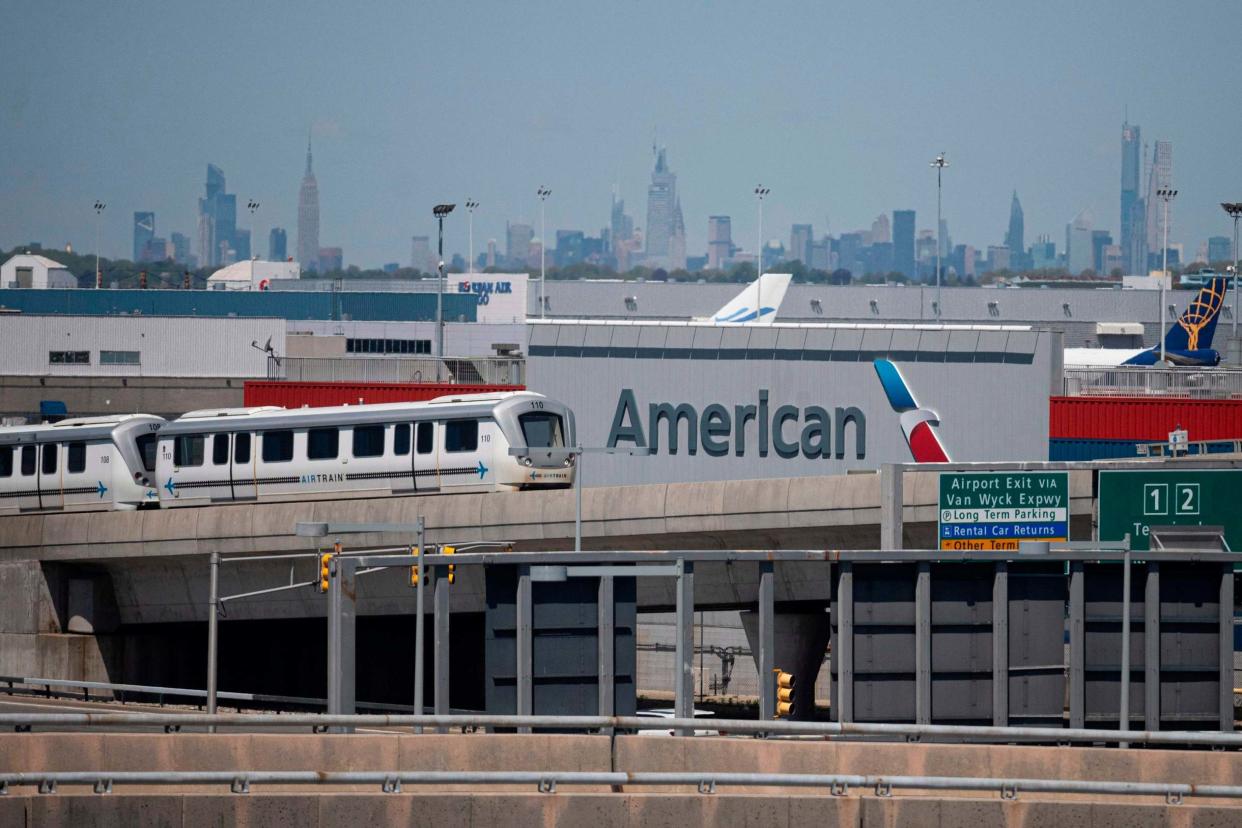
1194 330
758 302
917 424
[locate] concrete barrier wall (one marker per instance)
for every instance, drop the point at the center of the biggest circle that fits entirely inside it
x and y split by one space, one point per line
467 810
28 752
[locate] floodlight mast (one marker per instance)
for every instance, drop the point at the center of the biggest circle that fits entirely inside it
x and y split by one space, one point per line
1234 209
440 211
940 163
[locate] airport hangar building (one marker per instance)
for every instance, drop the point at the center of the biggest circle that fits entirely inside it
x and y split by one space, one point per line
791 399
1106 316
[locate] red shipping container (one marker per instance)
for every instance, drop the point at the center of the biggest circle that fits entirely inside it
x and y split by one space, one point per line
319 394
1143 418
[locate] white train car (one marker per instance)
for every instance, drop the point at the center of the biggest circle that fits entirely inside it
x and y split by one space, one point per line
83 464
449 444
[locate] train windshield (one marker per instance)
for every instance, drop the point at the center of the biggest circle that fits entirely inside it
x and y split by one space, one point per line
146 448
542 430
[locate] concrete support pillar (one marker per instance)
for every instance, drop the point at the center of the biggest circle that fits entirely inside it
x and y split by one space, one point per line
800 641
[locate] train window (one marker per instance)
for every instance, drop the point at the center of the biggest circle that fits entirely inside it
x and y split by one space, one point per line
147 445
277 446
322 443
49 458
241 448
542 430
401 439
461 435
368 441
424 438
219 449
188 450
6 461
28 460
75 463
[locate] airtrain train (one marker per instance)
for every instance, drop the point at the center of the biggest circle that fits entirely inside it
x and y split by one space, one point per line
448 444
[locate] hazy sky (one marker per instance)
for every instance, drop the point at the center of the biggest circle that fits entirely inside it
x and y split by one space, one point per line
837 107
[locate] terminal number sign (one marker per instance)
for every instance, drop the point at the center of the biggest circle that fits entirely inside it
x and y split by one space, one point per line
1131 502
996 511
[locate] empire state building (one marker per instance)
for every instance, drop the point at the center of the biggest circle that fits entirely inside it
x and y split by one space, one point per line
308 217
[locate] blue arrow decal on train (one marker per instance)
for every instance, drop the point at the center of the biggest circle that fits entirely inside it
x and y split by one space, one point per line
482 469
102 488
170 485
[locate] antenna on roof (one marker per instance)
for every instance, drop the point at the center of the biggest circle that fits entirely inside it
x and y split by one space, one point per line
267 349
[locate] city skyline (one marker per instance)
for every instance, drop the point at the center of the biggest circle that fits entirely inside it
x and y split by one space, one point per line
822 131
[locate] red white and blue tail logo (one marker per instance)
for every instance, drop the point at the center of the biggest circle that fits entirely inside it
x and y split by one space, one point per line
918 424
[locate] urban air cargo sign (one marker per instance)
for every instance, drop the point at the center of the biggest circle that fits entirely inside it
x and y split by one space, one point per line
996 511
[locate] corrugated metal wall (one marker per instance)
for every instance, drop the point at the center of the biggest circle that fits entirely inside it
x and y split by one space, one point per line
1142 419
1099 428
397 307
315 394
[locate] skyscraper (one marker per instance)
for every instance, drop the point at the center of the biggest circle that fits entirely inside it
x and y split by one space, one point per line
903 242
800 238
1132 207
1159 177
1219 249
277 245
1079 255
881 230
217 221
421 257
719 241
181 249
621 228
308 217
662 207
677 240
518 238
144 231
1013 238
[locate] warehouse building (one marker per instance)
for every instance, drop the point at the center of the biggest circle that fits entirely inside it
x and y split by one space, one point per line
27 271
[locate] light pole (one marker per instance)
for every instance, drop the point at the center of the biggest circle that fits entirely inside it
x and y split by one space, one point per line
1166 195
1235 212
470 205
760 192
940 163
543 193
253 207
99 208
440 211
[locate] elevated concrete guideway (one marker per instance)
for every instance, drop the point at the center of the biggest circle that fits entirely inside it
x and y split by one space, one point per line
151 566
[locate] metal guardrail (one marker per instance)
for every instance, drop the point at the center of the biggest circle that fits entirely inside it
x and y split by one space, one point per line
1208 383
1194 448
14 682
458 370
752 727
707 783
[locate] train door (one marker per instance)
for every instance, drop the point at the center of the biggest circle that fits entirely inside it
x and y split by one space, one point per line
404 480
25 481
242 468
460 463
87 475
50 484
426 457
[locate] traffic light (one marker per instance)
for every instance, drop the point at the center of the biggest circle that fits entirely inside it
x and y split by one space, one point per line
185 280
325 571
784 693
414 568
142 280
452 568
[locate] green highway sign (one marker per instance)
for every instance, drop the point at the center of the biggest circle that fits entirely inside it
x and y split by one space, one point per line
995 511
1134 501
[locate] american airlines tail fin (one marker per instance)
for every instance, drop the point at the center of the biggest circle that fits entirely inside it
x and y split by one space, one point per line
757 304
1194 330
